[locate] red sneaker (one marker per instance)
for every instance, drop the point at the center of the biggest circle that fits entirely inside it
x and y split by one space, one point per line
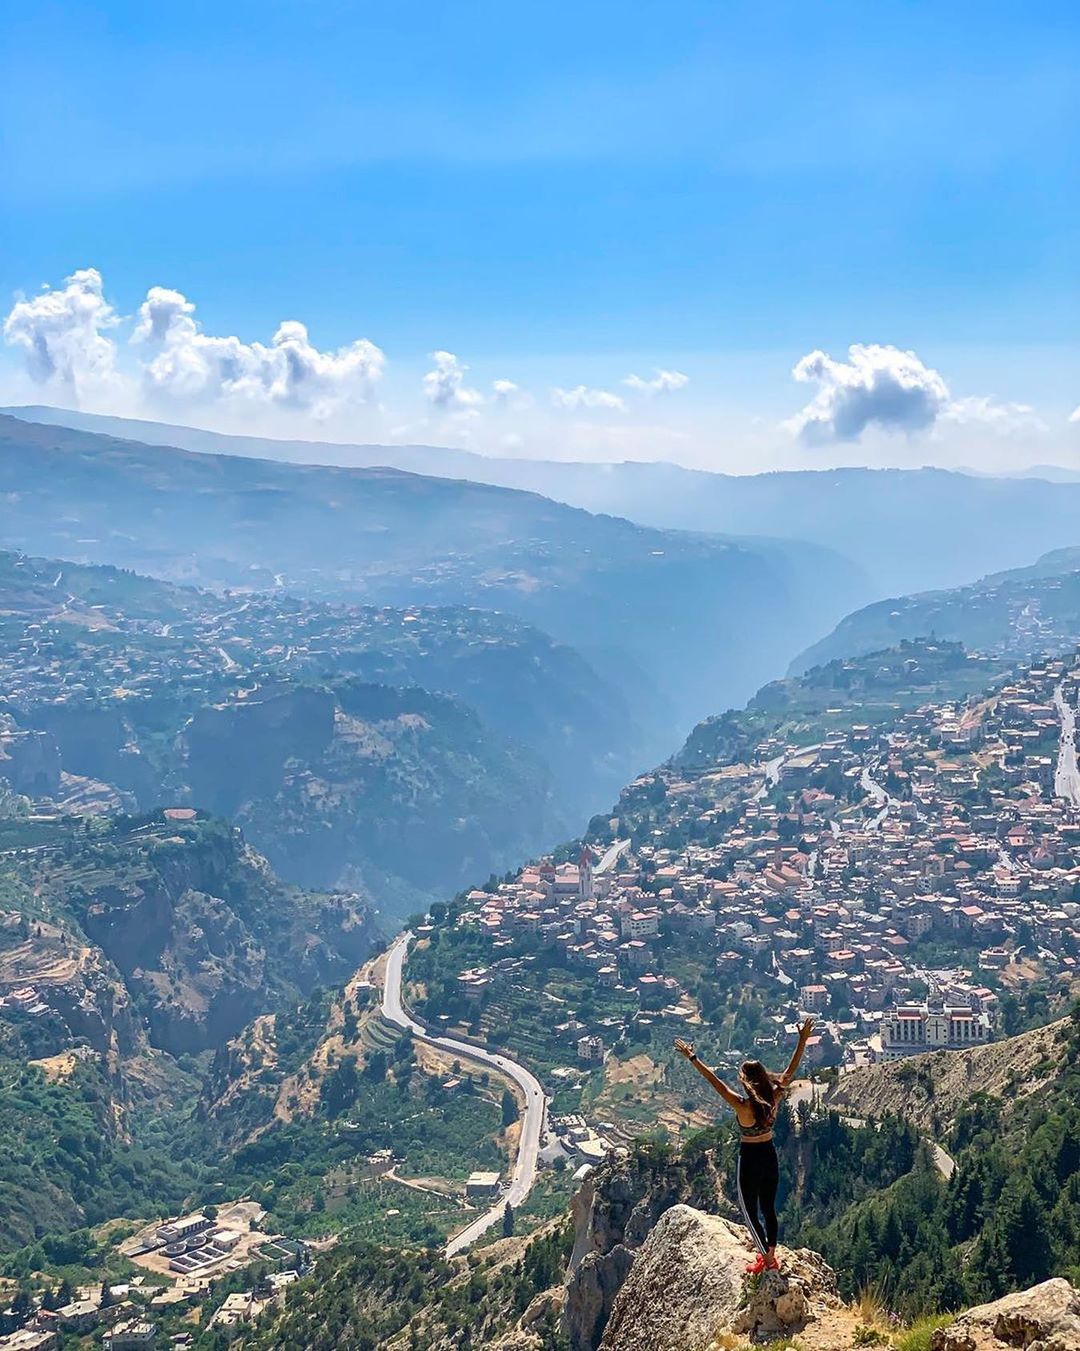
757 1266
772 1264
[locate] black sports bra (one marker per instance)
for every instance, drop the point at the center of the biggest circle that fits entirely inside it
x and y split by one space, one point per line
760 1128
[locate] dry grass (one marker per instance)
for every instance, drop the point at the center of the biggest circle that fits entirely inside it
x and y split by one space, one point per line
917 1337
57 1068
871 1309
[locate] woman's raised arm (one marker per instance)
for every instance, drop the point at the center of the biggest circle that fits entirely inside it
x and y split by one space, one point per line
686 1048
805 1033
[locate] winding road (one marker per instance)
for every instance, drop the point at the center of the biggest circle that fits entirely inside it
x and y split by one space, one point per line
532 1122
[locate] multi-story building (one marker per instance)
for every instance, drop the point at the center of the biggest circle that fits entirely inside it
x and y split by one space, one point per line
910 1029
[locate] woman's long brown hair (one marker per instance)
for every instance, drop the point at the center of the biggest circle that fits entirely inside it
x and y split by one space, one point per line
762 1090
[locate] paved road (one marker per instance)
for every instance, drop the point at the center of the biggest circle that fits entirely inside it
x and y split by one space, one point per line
772 768
532 1123
1067 775
870 785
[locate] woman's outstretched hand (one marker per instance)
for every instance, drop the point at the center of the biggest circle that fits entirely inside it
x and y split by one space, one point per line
685 1048
807 1029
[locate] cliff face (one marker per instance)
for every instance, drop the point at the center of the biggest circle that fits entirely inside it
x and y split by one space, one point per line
30 762
192 927
614 1212
100 741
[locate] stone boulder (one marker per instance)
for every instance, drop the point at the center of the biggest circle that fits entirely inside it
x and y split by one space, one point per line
688 1286
1044 1318
529 1332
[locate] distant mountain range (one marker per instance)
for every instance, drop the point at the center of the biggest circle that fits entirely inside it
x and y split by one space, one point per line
679 623
906 529
1023 612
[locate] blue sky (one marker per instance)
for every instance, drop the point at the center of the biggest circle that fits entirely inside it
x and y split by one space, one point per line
565 195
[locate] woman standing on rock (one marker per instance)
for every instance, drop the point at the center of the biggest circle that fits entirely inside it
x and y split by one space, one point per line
758 1173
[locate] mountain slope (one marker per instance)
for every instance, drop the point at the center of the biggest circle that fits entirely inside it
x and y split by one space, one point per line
932 1091
678 622
121 689
908 529
164 931
1021 612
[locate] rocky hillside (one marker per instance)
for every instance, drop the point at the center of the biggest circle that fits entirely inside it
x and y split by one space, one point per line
931 1089
167 927
403 794
339 735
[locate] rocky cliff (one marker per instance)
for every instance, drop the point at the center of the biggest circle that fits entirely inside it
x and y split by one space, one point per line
687 1290
171 924
614 1212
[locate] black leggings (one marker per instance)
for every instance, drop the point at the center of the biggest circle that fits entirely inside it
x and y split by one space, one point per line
756 1181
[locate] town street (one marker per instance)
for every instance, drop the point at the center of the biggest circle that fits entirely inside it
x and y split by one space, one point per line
880 796
532 1122
1067 776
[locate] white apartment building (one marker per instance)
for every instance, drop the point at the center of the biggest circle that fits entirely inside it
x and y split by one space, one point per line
910 1029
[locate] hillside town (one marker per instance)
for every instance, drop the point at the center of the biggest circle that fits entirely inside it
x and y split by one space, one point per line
897 883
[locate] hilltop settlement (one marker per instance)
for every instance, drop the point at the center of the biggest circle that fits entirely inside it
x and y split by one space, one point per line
913 883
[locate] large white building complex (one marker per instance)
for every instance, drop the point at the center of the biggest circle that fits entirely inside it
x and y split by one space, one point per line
909 1029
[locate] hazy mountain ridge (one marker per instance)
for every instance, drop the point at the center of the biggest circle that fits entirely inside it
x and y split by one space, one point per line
625 596
1022 612
906 529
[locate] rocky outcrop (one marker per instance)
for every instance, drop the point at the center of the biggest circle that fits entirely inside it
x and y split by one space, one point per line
614 1212
30 762
591 1293
1044 1318
688 1289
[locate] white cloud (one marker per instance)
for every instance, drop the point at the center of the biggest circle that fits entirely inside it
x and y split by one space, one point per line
581 397
891 390
61 335
509 395
877 386
291 372
662 382
977 409
445 387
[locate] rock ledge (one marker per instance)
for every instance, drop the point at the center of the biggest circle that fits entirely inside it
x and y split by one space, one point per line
1044 1318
